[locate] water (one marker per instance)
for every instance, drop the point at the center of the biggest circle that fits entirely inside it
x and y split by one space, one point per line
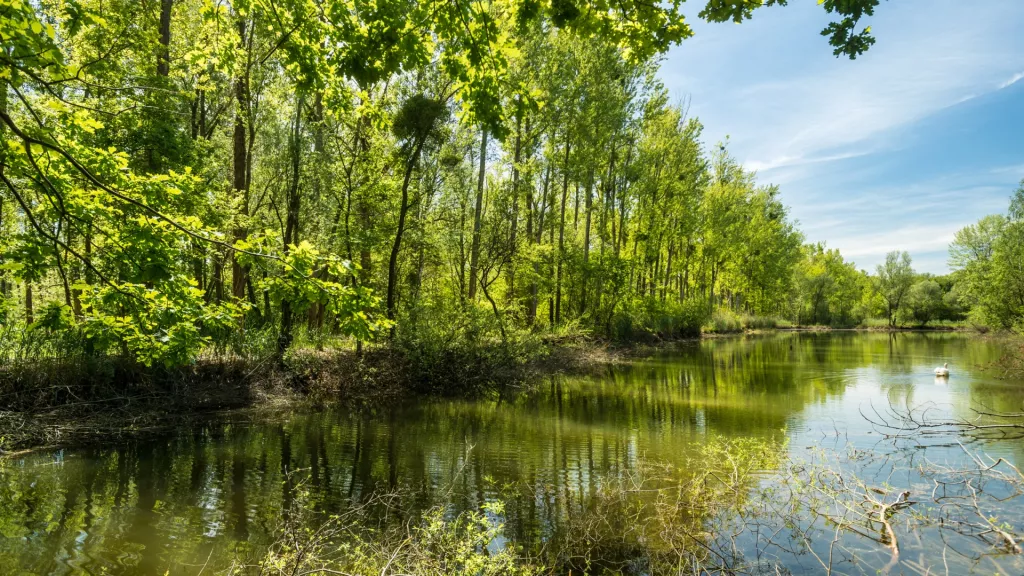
193 501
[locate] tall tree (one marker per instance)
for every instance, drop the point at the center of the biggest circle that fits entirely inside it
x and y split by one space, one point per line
895 277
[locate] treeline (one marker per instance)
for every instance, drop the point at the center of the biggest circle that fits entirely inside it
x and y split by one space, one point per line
187 176
985 288
988 259
831 291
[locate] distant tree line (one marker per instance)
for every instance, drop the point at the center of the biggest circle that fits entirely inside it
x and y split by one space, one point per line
985 287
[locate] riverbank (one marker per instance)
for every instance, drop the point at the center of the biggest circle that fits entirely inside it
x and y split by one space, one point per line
91 401
861 328
51 403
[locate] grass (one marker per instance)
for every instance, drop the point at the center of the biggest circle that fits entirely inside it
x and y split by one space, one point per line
638 521
725 321
883 324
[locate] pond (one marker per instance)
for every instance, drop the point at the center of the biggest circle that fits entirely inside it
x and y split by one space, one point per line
194 500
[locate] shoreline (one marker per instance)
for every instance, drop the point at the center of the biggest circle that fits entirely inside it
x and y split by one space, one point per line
56 404
136 401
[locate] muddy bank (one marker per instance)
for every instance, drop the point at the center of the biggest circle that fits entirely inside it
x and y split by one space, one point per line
49 403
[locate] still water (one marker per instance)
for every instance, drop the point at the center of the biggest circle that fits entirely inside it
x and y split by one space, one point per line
192 501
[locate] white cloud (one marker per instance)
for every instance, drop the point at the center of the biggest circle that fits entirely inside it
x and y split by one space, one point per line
842 136
773 85
1017 169
920 218
913 239
790 161
1011 80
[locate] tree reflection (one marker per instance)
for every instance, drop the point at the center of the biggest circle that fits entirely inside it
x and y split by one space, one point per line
209 494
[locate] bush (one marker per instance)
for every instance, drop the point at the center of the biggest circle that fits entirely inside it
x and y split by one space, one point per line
870 322
724 321
449 350
754 322
652 318
434 542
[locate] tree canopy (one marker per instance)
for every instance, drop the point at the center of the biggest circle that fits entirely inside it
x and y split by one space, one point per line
180 175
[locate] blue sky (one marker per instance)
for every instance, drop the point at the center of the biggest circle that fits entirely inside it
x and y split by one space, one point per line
898 149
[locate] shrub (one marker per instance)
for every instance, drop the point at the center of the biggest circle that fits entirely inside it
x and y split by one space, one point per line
754 322
652 318
724 321
450 350
435 542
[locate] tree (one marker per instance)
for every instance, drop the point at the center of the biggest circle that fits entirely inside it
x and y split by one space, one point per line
229 166
987 259
827 287
894 280
924 301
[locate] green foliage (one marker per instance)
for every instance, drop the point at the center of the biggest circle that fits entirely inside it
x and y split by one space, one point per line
417 117
987 259
893 282
448 351
760 322
829 290
843 34
189 188
301 278
924 301
664 319
437 543
724 321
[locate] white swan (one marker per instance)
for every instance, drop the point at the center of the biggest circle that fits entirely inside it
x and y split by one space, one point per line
943 371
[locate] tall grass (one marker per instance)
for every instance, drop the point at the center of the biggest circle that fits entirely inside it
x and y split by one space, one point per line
725 321
655 319
883 323
650 518
452 350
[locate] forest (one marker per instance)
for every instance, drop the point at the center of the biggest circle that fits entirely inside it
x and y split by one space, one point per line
297 287
198 178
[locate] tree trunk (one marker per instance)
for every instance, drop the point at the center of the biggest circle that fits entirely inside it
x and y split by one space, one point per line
361 147
531 312
198 118
685 280
163 56
198 264
463 206
403 212
711 289
60 270
668 271
29 316
586 242
315 317
158 121
515 209
3 272
620 240
218 279
291 230
239 272
551 242
474 256
3 151
576 209
561 235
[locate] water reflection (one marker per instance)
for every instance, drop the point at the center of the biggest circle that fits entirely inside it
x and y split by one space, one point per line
207 495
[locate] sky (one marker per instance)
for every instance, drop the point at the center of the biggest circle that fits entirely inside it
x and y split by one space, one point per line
896 150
